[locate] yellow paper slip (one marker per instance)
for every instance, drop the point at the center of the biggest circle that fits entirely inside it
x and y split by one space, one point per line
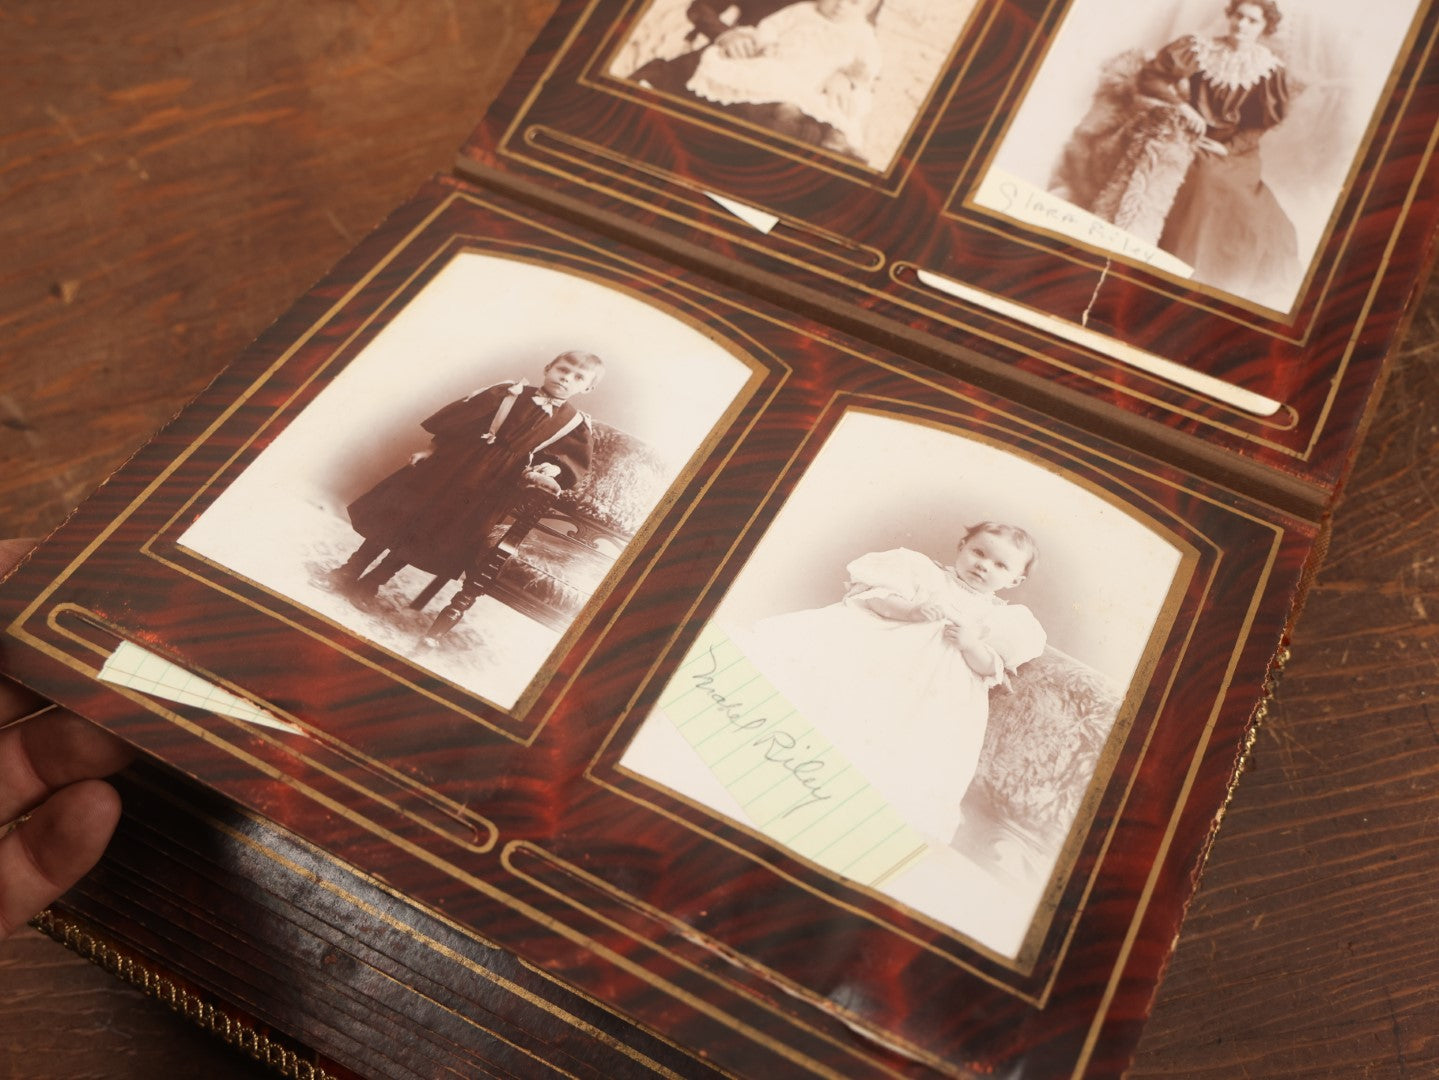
794 786
139 669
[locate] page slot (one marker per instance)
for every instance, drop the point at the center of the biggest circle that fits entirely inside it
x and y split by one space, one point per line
1236 397
141 670
703 203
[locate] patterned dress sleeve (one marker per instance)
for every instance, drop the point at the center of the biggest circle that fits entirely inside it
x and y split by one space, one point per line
1163 77
900 573
473 411
1264 106
1015 635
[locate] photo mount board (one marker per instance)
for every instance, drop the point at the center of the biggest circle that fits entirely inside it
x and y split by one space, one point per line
518 825
850 243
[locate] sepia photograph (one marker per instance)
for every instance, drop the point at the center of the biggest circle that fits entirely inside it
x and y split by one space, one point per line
461 490
1209 139
845 76
914 679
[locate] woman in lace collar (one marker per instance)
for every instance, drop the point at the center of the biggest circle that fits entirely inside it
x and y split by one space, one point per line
1228 90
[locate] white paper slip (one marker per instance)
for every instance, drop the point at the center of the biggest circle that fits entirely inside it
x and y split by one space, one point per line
137 668
792 783
1218 389
1017 198
762 220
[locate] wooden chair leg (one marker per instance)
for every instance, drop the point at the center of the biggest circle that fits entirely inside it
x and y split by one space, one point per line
422 601
476 583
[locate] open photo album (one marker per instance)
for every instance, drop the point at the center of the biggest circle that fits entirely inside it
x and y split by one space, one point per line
772 567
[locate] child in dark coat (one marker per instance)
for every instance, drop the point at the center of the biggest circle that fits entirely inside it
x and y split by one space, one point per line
489 450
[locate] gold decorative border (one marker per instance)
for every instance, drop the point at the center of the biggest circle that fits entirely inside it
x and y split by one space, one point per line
862 257
454 813
600 768
683 932
126 966
904 274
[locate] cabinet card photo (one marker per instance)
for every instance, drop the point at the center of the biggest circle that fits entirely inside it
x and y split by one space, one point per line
848 77
1210 139
463 489
914 679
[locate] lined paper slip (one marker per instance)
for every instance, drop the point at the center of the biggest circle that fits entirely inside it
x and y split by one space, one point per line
792 784
139 669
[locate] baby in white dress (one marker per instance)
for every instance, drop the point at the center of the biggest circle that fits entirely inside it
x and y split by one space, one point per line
897 674
819 57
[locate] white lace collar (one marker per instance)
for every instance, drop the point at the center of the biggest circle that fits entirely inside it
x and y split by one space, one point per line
1233 67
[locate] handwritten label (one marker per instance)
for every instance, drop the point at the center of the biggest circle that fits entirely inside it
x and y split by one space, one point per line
1017 198
792 783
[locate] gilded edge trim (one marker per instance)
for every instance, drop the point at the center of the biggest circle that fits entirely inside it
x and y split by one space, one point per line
1262 713
128 968
713 946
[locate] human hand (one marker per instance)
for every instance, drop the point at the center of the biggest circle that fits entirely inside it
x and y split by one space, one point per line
49 765
421 455
928 611
1190 118
542 481
840 89
740 43
960 637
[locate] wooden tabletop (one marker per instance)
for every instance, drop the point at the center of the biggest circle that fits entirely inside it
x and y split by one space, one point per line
176 173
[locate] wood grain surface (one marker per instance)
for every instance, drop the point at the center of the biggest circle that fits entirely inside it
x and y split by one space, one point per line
176 174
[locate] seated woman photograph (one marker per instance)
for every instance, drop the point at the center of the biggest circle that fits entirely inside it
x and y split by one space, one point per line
1170 152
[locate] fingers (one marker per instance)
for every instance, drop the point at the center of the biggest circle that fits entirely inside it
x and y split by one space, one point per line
12 551
738 43
49 752
48 766
16 701
53 849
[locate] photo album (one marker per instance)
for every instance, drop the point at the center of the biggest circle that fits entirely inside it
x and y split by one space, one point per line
772 567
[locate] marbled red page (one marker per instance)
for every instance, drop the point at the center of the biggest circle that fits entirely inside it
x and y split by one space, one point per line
508 816
573 128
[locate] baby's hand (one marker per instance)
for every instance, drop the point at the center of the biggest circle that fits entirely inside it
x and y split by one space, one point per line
839 88
928 611
741 43
960 636
420 455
